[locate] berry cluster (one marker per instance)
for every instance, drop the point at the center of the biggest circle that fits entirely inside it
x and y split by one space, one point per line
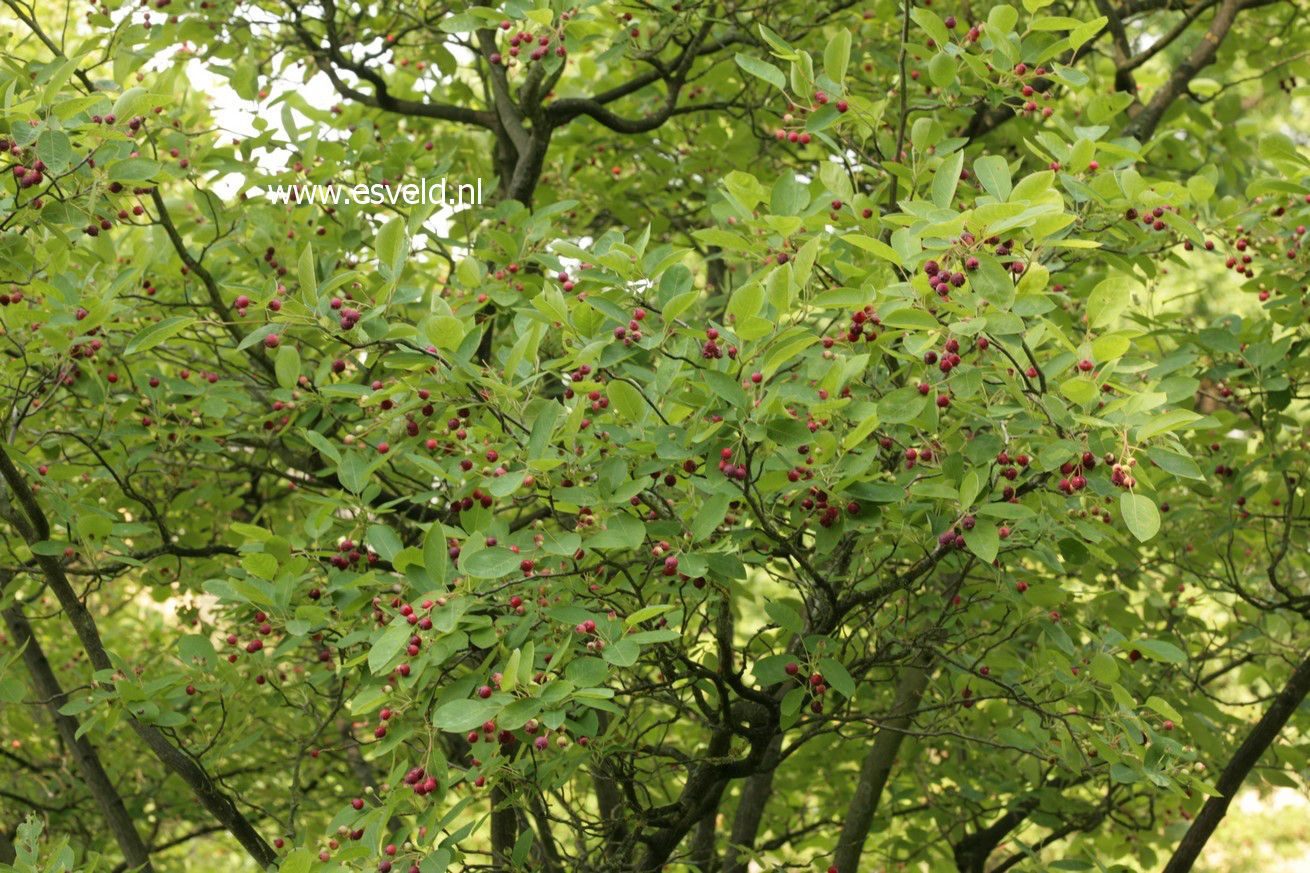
540 45
632 333
815 684
728 468
711 350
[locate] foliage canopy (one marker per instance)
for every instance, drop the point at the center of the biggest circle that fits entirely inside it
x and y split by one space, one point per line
847 437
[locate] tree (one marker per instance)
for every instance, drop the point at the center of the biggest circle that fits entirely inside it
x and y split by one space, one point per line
796 460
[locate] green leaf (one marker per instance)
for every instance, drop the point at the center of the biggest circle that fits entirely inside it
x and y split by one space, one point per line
55 149
1162 706
1001 20
1164 423
435 553
322 443
1124 774
1104 668
308 281
157 333
447 332
1280 147
436 862
1054 22
784 616
384 541
789 195
12 691
1161 651
1140 515
781 47
354 471
76 706
1107 348
746 301
1083 32
627 400
469 272
493 563
993 171
459 23
709 517
648 612
1122 697
992 282
510 676
1080 391
984 540
133 170
726 387
941 69
1201 189
388 646
194 648
762 70
623 653
391 245
868 424
587 672
932 25
970 485
910 319
901 405
946 179
299 861
837 55
1219 340
745 187
1108 300
130 102
459 716
836 676
522 846
876 246
621 532
287 366
60 77
260 565
543 428
1173 462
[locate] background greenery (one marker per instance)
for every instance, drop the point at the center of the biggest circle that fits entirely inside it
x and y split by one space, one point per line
658 464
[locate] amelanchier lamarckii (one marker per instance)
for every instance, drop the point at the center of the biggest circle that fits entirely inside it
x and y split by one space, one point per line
844 437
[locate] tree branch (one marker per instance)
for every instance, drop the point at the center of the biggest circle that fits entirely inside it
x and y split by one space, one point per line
1144 124
85 756
877 766
206 279
563 111
504 828
34 528
332 57
1239 766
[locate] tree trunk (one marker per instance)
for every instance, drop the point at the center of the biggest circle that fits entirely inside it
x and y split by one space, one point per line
8 854
32 525
504 829
877 765
1239 766
750 809
87 759
703 842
